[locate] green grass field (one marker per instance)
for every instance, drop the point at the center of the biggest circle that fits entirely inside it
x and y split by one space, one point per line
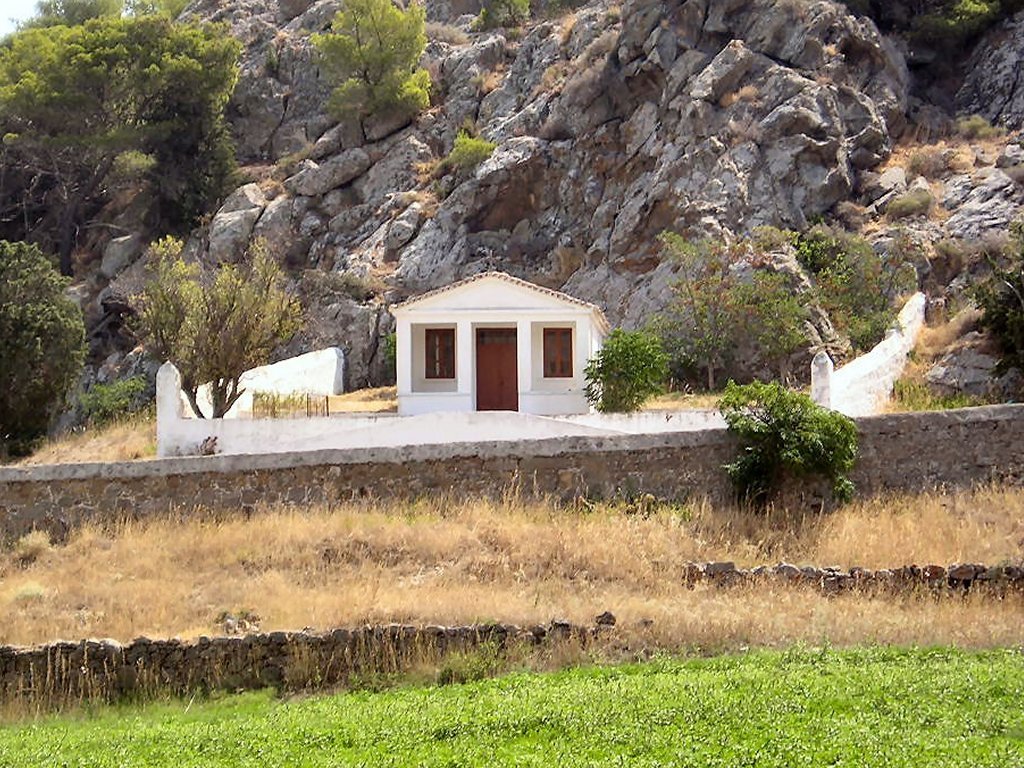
876 707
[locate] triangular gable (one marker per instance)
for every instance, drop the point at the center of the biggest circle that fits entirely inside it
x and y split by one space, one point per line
499 291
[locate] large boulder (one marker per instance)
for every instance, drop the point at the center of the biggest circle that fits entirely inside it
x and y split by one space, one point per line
993 86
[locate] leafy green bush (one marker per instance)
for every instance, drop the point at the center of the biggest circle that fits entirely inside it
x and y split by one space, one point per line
373 52
630 368
1001 299
784 435
106 402
42 344
717 304
503 13
468 152
853 284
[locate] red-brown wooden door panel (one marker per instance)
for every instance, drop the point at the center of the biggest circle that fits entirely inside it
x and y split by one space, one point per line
497 370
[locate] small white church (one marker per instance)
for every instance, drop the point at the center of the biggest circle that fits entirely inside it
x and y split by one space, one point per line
493 342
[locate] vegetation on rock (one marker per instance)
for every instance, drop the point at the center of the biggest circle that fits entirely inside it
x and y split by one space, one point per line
629 369
105 403
718 303
373 53
1001 299
42 345
214 327
503 13
68 124
853 284
468 152
783 436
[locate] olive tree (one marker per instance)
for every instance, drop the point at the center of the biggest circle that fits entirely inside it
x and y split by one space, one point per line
214 325
42 344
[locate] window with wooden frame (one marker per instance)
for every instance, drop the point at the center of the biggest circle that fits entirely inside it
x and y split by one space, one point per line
440 353
558 353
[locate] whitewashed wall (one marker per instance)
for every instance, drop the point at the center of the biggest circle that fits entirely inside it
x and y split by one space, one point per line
178 435
864 386
315 373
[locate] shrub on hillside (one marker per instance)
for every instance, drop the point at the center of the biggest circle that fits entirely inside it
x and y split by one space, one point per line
785 436
503 13
1001 299
105 403
930 163
917 202
373 53
467 153
856 286
42 344
630 368
976 127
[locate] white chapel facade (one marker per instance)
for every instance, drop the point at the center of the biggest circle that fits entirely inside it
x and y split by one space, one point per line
493 342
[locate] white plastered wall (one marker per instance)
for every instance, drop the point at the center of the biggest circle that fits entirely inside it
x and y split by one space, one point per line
864 386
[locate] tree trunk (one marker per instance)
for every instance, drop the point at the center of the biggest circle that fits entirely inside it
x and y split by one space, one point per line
190 394
711 377
66 232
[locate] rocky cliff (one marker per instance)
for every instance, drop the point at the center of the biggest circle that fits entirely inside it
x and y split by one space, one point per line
612 124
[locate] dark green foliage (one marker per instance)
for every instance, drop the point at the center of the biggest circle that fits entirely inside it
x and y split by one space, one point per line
53 13
468 152
373 53
1001 298
976 127
75 100
630 368
503 13
783 436
390 353
105 403
42 344
941 33
717 305
853 708
856 286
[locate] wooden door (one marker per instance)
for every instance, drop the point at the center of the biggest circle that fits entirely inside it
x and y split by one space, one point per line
497 370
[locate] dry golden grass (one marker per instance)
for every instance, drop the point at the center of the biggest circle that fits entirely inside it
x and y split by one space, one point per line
375 400
439 562
681 401
128 440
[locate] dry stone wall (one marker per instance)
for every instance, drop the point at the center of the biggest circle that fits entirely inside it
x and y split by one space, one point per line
66 673
902 452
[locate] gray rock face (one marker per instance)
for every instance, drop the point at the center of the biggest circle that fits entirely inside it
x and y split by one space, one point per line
970 370
989 203
993 87
314 180
701 116
118 254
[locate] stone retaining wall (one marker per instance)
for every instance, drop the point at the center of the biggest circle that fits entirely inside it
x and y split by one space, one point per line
64 673
901 452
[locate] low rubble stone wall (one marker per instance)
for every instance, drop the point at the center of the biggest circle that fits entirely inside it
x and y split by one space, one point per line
64 673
